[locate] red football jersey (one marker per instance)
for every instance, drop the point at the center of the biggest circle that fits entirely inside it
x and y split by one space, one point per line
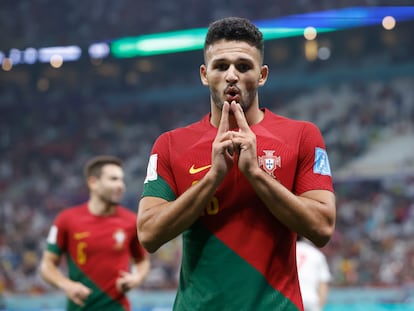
97 249
238 255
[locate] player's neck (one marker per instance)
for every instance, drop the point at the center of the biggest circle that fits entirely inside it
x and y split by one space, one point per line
100 208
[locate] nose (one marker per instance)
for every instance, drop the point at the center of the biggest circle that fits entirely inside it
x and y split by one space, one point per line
121 185
231 75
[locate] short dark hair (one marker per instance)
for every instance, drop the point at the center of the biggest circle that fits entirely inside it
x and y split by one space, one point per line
234 29
94 166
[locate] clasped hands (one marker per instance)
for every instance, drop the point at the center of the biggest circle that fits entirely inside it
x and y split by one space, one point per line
234 145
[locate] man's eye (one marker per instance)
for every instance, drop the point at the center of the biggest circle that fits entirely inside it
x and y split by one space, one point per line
222 67
243 67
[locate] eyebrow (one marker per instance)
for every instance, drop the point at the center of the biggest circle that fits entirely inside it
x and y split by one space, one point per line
242 59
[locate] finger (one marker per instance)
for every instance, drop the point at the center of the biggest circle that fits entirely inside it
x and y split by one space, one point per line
78 300
87 292
224 121
239 116
230 148
123 273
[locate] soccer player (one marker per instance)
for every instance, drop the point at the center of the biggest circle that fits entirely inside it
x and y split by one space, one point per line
98 239
314 275
238 185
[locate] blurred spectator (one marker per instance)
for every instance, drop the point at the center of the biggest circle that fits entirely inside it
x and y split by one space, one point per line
314 275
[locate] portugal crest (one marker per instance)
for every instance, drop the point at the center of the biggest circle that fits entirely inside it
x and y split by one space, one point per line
269 162
119 237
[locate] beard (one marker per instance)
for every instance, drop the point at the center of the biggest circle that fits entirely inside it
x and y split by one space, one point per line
245 101
108 200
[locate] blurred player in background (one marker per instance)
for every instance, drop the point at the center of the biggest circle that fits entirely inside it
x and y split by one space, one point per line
238 185
314 275
99 240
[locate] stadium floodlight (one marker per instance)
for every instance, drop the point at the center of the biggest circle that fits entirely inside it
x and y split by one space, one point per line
68 53
184 40
15 56
160 43
288 26
193 39
341 18
29 56
99 50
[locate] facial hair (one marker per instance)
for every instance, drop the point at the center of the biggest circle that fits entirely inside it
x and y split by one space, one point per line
108 201
245 101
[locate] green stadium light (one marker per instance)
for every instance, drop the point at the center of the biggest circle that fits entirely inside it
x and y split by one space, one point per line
184 40
279 33
160 43
283 27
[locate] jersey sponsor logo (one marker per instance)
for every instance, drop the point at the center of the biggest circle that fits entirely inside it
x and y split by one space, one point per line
194 170
52 236
270 162
321 163
81 235
152 169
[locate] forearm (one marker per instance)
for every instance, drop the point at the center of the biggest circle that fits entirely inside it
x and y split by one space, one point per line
52 275
323 293
75 291
141 270
311 215
159 223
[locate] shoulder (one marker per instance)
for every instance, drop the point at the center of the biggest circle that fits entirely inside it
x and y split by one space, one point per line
180 137
73 210
290 130
70 216
274 118
195 126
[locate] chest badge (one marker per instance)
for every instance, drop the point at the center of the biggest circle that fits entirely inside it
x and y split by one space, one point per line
119 237
270 162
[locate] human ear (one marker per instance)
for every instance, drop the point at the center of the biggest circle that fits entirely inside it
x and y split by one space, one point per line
203 74
264 72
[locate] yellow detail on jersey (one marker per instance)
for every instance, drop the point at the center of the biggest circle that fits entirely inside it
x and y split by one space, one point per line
81 254
213 207
194 170
81 235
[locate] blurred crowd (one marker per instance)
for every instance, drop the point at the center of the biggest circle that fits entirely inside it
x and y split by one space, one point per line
372 245
45 143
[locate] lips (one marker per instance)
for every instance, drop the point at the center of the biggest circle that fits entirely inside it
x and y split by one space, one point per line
232 93
231 99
